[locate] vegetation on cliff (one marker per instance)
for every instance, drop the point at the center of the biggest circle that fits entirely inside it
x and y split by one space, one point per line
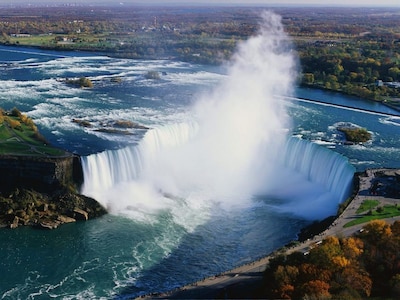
38 182
358 267
20 136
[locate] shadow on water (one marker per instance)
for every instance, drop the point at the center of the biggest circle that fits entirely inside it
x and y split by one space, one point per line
207 252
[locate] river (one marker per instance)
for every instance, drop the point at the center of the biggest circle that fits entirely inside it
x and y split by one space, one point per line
144 250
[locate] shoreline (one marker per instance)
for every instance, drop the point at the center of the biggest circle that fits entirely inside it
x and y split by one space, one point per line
243 280
144 57
382 101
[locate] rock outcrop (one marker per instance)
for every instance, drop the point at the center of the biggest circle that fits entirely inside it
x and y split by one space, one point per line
43 173
38 182
41 191
47 211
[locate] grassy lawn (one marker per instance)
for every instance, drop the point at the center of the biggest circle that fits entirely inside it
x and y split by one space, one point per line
367 205
23 141
83 40
5 134
14 148
387 211
34 40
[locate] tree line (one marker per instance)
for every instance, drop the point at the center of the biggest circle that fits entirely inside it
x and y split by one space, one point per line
340 49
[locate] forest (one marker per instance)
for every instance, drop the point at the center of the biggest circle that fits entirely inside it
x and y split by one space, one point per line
351 50
366 265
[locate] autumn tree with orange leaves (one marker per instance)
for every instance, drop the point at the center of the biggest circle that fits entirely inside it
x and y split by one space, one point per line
358 267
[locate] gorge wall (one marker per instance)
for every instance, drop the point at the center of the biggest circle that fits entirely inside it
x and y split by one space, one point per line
43 174
41 192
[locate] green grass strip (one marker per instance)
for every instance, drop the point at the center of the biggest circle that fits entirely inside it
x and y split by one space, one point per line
22 140
388 211
367 205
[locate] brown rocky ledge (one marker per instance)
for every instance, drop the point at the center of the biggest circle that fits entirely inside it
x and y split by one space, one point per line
42 192
38 182
47 211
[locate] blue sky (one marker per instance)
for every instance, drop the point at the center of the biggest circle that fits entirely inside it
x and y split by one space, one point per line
394 3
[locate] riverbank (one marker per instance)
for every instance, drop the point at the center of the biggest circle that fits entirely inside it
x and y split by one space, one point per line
393 103
245 281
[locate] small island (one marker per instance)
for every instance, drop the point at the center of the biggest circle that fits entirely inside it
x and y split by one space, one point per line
355 135
82 82
39 182
113 127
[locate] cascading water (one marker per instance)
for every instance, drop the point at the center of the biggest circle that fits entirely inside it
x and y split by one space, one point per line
231 150
313 180
323 174
104 170
320 165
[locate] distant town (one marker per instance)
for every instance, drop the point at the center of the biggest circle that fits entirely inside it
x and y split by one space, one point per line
350 50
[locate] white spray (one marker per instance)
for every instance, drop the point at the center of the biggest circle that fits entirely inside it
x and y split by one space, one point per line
238 129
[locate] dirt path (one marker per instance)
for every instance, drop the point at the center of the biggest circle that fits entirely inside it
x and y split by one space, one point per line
249 275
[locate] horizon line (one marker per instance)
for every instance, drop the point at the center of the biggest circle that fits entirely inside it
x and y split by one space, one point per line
46 3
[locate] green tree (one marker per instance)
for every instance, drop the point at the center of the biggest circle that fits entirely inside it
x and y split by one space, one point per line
308 78
394 72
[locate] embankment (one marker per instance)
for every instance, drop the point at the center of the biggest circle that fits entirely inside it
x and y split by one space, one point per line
42 191
42 173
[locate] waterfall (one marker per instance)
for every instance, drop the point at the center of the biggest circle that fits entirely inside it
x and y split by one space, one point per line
320 165
104 170
328 172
